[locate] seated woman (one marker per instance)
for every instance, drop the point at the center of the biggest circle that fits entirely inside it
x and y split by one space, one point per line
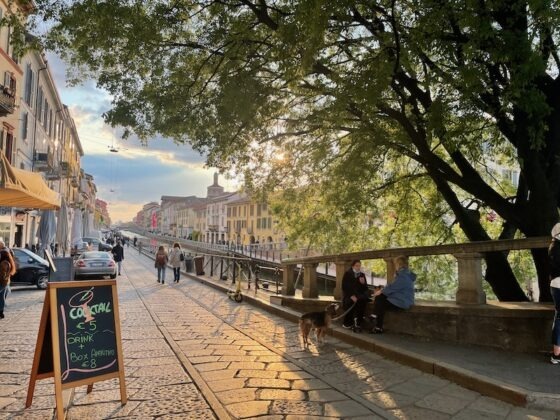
395 296
352 297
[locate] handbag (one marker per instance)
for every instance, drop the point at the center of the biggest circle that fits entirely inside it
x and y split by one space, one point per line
181 257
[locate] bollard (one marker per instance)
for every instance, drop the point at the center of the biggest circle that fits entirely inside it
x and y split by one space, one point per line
221 268
233 272
212 266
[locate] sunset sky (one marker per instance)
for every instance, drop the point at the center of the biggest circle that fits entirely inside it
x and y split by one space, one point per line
135 174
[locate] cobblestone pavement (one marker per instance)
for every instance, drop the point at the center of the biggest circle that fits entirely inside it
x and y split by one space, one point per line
192 353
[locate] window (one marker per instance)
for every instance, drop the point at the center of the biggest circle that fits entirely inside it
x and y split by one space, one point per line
39 109
45 114
258 223
258 210
28 89
50 127
270 222
252 210
235 212
24 123
229 212
9 146
264 207
10 84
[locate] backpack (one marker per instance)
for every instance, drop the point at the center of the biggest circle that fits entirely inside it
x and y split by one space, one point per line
181 257
160 260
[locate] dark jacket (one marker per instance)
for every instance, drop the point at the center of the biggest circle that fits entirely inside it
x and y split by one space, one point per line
118 253
554 258
362 290
349 285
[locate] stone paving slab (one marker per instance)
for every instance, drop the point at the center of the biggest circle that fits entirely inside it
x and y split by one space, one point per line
157 384
247 361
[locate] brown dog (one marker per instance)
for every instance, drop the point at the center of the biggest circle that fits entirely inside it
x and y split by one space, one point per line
318 321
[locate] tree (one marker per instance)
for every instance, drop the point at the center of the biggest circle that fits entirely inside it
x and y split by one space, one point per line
432 88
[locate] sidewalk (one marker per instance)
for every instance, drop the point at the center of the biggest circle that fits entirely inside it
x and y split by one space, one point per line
527 380
190 352
157 384
401 391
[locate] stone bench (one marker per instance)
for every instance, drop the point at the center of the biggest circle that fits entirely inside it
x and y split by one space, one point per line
519 327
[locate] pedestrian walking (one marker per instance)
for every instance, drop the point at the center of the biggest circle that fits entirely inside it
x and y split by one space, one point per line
7 270
118 255
554 258
161 263
176 258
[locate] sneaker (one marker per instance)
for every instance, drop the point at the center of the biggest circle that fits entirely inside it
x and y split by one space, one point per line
555 360
377 330
348 327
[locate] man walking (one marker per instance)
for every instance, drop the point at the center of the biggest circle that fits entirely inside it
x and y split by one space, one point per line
118 255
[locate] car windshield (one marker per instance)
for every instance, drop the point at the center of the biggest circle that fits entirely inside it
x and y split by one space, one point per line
95 255
22 254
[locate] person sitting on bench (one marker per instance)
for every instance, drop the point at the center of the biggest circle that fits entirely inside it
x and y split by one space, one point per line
350 297
395 296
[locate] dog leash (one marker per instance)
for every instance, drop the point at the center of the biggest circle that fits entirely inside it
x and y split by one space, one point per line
345 313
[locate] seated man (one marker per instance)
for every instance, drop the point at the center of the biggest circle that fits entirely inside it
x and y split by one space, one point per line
352 297
397 295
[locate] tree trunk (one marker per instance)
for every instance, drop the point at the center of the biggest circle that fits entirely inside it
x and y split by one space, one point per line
498 274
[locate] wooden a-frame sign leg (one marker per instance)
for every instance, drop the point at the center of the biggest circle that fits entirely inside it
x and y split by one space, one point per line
47 357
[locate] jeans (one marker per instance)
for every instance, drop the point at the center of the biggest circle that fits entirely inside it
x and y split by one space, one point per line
161 274
381 305
177 273
556 324
4 291
119 265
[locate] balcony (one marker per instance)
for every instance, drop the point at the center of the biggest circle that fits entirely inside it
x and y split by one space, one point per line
74 182
7 101
52 176
213 228
43 161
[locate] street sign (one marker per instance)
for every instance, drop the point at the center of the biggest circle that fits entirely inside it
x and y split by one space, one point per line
79 339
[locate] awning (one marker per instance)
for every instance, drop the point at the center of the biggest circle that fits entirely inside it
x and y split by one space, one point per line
24 189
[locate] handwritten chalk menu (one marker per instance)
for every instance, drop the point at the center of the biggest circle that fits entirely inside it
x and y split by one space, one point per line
79 340
87 341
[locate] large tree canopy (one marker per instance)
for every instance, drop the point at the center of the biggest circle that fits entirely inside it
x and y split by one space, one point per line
358 99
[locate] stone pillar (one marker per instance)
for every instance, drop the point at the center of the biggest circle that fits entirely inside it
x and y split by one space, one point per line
469 291
390 269
310 290
288 280
341 267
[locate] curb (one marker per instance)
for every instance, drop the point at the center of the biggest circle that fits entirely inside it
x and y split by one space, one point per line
482 384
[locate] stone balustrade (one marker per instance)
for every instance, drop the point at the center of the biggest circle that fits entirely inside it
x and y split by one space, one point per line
468 255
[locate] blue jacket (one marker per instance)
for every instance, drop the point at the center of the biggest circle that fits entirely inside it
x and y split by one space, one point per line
401 292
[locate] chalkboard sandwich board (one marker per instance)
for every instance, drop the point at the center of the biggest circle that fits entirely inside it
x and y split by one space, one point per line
79 340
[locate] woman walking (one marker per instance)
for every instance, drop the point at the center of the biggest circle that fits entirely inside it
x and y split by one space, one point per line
7 270
176 258
554 257
161 263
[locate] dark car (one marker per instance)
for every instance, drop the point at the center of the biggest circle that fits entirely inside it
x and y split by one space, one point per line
97 244
31 269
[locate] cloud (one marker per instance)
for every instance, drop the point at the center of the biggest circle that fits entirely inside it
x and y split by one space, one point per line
135 174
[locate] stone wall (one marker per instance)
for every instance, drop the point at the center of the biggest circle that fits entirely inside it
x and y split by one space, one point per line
519 327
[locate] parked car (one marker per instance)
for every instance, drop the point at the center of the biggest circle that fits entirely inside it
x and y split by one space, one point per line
97 244
78 249
31 269
95 264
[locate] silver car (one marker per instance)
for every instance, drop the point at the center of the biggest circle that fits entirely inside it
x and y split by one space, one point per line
95 263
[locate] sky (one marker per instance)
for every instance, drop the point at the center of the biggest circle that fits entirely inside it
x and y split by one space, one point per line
135 174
